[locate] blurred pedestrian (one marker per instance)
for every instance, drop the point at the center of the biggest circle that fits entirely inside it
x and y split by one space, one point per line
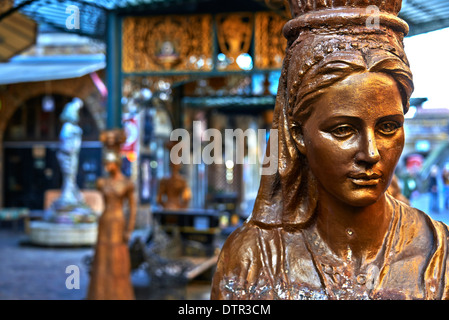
433 189
446 186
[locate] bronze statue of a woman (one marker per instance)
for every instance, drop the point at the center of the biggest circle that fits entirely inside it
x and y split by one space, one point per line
111 268
174 192
323 226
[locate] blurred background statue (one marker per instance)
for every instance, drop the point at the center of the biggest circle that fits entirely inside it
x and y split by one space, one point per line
111 267
174 193
70 206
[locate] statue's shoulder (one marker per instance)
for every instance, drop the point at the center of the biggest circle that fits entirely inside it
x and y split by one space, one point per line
245 232
131 185
242 244
246 243
424 236
418 219
421 231
242 260
100 183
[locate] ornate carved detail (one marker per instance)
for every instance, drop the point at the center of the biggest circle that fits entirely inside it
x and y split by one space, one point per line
185 43
269 42
281 7
160 43
234 33
299 7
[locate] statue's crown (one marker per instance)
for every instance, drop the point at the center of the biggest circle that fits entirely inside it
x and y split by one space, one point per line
299 7
322 15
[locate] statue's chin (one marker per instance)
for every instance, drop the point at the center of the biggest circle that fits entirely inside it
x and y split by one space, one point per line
363 199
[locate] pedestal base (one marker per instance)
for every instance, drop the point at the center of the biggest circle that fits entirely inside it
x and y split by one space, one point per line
54 234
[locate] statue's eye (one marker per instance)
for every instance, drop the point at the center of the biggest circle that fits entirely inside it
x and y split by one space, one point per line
388 128
343 131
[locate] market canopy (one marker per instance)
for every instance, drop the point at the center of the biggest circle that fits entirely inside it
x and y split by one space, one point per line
421 15
34 69
17 33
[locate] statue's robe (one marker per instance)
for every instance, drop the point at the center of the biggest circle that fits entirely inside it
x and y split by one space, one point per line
265 262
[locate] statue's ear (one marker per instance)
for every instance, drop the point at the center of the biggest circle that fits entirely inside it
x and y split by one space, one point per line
298 137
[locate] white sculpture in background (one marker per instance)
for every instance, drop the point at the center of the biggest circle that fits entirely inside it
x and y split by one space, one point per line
70 206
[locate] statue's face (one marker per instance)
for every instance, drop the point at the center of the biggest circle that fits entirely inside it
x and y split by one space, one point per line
110 139
354 137
111 166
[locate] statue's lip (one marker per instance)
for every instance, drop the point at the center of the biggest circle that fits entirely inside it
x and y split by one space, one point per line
365 176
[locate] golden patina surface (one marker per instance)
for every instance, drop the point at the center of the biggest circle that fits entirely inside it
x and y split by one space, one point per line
269 44
162 43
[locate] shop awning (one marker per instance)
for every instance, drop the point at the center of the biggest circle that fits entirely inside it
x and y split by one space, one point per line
33 69
17 33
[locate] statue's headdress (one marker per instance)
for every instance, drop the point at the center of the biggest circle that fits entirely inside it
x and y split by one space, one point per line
327 41
112 141
340 15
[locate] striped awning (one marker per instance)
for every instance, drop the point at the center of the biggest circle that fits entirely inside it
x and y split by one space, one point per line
17 33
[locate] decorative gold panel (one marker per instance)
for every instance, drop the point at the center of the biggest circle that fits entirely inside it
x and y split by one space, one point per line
234 33
269 42
167 43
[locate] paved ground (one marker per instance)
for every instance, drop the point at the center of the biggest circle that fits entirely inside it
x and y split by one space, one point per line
37 273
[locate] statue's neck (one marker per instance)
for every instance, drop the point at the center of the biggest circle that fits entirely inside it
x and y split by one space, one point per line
360 229
116 175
